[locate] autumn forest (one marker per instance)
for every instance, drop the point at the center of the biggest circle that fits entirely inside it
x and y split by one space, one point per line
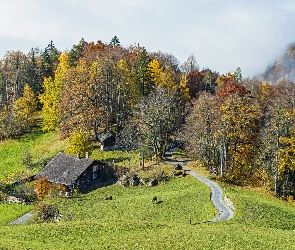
241 130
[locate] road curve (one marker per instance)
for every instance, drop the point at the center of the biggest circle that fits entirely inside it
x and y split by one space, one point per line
224 212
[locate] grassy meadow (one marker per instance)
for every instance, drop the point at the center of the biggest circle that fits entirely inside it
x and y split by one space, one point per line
42 146
9 212
131 221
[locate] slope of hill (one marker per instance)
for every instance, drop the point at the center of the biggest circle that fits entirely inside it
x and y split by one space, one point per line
282 69
38 146
131 220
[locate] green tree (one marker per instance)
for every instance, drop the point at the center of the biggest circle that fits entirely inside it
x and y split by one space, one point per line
238 74
76 53
208 82
33 72
49 61
142 73
115 42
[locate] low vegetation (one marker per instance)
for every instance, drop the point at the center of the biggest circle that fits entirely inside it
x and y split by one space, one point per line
130 218
9 212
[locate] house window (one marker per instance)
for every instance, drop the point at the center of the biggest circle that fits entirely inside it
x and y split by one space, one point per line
94 176
95 168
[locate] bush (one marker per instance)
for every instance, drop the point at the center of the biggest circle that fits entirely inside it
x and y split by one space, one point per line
42 187
54 190
57 190
27 190
3 196
47 212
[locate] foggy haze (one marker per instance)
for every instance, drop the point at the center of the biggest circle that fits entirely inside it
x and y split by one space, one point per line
223 35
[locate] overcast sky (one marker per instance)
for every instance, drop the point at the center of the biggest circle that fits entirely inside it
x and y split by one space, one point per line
223 35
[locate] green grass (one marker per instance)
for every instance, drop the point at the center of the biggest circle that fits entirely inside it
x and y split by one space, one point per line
261 209
132 221
179 200
179 153
121 158
9 212
43 146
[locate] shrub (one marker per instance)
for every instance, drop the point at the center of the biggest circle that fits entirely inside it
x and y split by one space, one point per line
54 190
3 196
27 190
57 190
42 187
47 212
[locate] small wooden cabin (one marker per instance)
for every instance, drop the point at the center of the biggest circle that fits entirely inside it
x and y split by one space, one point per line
72 171
107 140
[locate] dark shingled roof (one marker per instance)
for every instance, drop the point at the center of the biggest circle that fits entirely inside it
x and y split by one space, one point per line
104 135
64 169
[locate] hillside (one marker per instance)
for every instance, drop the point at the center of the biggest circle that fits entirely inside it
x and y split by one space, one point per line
282 69
131 220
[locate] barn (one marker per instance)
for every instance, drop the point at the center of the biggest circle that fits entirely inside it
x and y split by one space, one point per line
107 140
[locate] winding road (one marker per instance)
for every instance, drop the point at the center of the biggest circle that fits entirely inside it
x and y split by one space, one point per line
224 211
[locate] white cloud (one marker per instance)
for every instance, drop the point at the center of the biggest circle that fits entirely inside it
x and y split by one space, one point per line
222 34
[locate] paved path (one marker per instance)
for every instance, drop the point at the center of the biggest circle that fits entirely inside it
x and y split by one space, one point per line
224 212
23 219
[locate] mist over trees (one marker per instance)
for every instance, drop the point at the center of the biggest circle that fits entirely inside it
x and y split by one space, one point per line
283 69
242 130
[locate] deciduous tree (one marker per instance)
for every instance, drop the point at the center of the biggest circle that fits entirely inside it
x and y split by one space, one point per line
78 143
52 96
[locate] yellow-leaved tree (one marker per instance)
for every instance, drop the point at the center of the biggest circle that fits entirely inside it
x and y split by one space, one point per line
286 155
52 95
183 89
156 72
239 117
166 78
78 143
25 107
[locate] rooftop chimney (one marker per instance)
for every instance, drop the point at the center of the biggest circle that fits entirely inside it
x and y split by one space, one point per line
87 155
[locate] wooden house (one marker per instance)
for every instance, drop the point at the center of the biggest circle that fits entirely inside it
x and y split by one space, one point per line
107 141
72 171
